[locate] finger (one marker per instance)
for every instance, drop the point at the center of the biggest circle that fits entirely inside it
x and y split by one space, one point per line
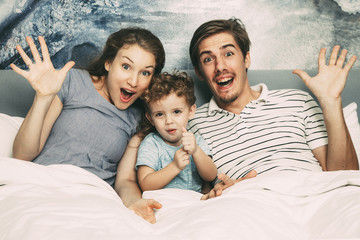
67 67
334 55
218 188
23 55
250 174
183 129
350 63
302 75
341 59
322 58
150 217
211 194
205 196
226 179
218 192
154 204
34 51
44 49
19 70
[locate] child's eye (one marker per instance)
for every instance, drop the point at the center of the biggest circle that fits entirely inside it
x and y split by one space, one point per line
228 54
158 114
126 66
177 111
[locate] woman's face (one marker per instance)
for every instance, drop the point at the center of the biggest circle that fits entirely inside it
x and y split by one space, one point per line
129 75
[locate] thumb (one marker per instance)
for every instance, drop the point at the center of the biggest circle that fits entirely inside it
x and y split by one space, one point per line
67 67
303 75
155 204
183 129
250 174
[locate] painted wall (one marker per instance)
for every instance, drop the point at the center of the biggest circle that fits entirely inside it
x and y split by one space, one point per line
285 34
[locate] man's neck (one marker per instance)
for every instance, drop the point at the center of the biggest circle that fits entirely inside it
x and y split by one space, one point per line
239 104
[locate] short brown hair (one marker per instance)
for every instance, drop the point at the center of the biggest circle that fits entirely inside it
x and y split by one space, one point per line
233 26
163 85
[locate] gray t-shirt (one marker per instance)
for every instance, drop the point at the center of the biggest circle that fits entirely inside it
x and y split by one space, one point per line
90 132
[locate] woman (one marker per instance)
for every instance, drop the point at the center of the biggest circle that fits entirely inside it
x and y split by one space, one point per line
87 117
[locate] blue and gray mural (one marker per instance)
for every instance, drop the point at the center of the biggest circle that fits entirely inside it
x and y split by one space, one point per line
285 34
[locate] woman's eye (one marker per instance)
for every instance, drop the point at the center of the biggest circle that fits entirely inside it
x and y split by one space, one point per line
146 73
126 66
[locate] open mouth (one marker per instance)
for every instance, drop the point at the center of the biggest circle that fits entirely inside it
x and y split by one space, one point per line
171 131
126 95
225 82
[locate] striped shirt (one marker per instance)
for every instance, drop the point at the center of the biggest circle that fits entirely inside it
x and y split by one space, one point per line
276 132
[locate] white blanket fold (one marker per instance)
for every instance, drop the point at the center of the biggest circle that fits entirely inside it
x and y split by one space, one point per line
67 202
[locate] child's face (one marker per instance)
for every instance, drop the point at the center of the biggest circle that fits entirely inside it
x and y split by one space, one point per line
169 115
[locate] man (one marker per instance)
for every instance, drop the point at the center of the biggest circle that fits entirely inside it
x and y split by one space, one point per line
253 130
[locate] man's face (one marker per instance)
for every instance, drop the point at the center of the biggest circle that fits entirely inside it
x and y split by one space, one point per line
223 67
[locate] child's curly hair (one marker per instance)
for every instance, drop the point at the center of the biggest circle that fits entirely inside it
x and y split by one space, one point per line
162 85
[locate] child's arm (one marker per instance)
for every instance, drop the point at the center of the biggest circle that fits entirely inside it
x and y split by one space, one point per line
149 179
204 164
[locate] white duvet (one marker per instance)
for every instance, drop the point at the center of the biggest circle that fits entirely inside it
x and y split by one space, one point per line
66 202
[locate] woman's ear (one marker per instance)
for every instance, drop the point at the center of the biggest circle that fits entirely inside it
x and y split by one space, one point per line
147 115
192 111
107 65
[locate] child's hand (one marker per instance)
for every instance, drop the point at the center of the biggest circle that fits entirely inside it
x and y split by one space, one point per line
181 158
189 142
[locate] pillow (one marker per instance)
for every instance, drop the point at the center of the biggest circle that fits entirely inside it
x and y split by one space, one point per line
352 122
8 128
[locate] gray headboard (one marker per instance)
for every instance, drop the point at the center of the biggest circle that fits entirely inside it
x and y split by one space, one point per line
16 94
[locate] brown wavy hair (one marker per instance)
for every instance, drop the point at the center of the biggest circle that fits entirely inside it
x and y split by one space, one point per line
163 85
128 36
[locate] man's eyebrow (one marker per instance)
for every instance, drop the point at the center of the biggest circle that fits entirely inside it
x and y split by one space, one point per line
150 66
222 47
228 45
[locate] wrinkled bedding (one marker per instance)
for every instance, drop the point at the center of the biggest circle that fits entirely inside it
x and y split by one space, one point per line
67 202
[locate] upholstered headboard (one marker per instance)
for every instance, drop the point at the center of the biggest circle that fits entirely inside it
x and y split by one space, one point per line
16 94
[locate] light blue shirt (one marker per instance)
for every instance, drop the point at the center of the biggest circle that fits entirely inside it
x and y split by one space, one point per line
156 154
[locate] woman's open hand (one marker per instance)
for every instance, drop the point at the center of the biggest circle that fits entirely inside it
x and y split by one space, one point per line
145 209
42 75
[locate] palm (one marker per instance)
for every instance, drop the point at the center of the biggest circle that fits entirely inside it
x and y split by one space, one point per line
42 75
330 80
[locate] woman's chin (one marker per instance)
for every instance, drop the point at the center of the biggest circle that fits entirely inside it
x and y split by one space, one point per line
123 105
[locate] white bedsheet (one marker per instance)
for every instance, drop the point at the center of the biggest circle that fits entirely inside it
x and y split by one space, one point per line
67 202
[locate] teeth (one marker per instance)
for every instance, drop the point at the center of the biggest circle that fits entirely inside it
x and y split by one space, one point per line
225 80
130 92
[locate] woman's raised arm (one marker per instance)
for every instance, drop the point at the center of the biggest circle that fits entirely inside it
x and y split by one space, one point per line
47 82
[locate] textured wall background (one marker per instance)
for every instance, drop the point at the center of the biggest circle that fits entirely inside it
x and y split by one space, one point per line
285 34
